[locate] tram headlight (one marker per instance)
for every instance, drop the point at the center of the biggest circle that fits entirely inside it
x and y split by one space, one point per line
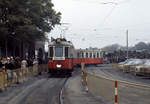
58 65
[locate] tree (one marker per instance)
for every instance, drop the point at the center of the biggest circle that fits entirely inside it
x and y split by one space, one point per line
27 20
141 46
112 48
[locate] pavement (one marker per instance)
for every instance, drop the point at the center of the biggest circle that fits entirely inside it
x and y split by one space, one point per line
37 90
74 93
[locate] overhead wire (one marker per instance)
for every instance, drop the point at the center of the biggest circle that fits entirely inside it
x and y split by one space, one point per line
116 2
103 1
108 15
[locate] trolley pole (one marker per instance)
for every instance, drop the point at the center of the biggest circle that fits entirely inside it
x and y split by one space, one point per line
127 45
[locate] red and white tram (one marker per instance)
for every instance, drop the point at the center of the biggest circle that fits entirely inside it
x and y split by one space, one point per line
62 56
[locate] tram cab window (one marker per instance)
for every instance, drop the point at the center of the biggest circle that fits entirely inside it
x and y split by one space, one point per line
59 52
66 52
50 51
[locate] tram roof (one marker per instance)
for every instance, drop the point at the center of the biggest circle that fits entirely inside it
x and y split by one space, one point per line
60 41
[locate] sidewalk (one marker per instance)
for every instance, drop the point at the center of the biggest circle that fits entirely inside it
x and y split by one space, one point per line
74 93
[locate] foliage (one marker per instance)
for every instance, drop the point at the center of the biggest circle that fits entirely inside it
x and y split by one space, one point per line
141 46
111 48
27 20
138 46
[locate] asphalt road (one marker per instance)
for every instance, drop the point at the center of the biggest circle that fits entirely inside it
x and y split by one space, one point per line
106 70
127 94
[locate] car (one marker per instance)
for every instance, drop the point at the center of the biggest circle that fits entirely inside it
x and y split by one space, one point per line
121 64
129 66
143 69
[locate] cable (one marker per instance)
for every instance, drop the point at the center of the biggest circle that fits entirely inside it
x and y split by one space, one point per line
105 18
97 2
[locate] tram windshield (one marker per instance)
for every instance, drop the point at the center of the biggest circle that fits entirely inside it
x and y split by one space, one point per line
59 52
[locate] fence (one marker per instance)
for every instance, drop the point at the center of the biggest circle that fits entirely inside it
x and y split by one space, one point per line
9 77
114 92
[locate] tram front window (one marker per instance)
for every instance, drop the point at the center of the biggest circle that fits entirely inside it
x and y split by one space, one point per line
59 52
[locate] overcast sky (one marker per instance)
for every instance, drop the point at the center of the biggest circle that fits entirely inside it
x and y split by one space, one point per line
99 23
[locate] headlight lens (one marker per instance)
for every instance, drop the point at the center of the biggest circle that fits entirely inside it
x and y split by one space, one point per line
58 65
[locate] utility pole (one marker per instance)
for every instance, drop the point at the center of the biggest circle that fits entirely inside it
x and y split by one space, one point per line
127 44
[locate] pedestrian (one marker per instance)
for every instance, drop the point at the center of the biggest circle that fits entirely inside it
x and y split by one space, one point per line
8 71
1 75
40 66
1 65
35 67
4 62
13 71
24 69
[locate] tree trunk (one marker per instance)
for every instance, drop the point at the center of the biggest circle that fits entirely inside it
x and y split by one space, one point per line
6 48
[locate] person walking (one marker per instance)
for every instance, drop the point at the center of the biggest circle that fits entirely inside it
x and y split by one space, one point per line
24 69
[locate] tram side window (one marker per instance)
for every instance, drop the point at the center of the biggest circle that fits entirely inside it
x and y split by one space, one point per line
97 55
66 52
86 55
94 55
82 55
78 55
51 51
90 55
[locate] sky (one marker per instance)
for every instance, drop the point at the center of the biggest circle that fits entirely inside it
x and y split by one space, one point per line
98 23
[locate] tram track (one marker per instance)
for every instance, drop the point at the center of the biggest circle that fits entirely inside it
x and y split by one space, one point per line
47 94
43 91
61 93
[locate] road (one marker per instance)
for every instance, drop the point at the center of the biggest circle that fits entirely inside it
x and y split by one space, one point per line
41 90
127 93
106 70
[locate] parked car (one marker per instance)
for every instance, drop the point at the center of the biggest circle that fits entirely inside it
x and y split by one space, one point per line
121 64
143 69
129 66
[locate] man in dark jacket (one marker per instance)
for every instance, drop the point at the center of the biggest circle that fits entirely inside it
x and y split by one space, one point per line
1 65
